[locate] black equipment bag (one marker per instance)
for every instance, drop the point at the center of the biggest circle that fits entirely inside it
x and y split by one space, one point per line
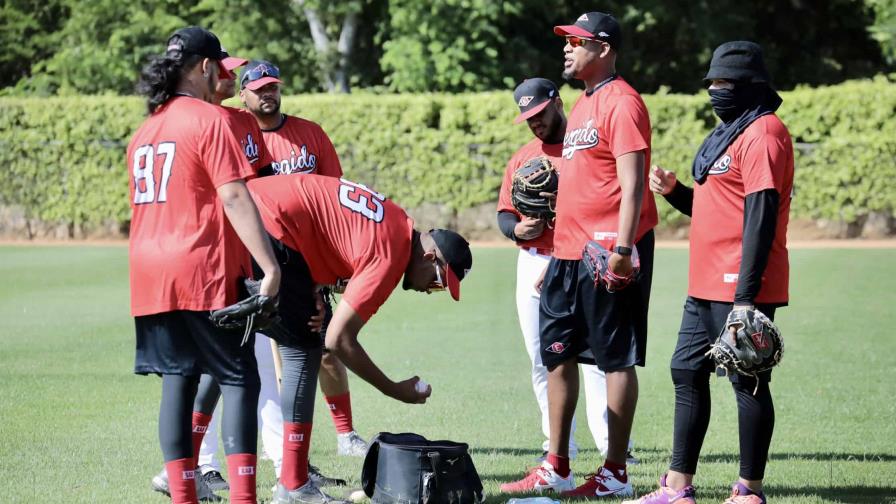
409 469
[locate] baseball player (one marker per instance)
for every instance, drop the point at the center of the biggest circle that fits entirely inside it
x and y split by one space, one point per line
301 146
326 231
602 196
541 107
249 134
739 210
190 212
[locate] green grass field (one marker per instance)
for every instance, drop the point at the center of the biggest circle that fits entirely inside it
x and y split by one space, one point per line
77 426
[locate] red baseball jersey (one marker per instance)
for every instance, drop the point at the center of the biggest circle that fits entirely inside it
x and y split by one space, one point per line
248 133
760 158
184 255
533 149
344 231
602 126
301 146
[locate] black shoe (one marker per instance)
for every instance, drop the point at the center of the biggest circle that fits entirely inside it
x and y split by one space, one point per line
215 481
320 480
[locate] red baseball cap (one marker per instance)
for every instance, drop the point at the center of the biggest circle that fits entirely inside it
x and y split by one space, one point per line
259 73
456 251
596 26
532 96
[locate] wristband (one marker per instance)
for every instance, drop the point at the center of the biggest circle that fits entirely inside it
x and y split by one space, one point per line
623 251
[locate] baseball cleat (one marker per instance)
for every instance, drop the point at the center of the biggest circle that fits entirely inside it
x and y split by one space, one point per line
540 479
740 494
203 492
665 495
603 483
305 494
215 481
320 480
351 444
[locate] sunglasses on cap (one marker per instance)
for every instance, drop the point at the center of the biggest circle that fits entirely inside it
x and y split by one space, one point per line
575 41
263 70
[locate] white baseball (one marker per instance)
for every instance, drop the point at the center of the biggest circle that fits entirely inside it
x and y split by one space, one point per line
358 496
421 386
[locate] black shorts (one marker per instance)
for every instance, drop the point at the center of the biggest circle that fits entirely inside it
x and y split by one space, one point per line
297 299
187 343
576 315
701 324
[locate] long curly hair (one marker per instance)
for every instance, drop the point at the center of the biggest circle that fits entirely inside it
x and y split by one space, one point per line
160 77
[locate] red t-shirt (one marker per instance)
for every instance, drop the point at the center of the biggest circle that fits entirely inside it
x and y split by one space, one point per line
760 158
248 133
602 126
343 230
184 255
301 146
533 149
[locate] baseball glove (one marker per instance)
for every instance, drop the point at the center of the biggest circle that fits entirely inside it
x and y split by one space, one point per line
597 262
251 314
756 346
536 176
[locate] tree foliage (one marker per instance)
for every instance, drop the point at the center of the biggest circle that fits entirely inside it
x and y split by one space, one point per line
72 46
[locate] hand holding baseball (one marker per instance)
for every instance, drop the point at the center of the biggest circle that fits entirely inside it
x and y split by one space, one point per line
412 391
661 181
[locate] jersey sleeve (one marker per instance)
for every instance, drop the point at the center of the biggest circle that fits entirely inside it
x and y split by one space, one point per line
504 202
763 163
221 155
627 126
329 159
371 286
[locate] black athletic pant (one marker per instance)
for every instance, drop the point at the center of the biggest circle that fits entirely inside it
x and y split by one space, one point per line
175 429
701 323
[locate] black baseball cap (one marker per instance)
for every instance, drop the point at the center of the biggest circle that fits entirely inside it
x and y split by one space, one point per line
532 96
456 251
596 26
739 60
258 73
198 41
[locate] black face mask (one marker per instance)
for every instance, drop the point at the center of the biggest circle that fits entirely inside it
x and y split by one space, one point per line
729 104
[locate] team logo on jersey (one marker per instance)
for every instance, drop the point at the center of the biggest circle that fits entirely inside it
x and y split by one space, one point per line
525 100
721 165
578 139
301 162
250 148
556 348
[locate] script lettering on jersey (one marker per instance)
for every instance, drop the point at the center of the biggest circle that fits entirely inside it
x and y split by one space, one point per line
303 162
578 139
721 165
250 148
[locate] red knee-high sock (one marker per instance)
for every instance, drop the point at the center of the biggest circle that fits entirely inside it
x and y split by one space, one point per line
296 441
200 425
241 470
181 482
341 411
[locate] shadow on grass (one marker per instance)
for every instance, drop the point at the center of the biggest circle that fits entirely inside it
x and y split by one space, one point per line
809 457
845 494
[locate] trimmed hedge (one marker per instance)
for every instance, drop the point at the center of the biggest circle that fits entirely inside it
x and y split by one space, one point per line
63 158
